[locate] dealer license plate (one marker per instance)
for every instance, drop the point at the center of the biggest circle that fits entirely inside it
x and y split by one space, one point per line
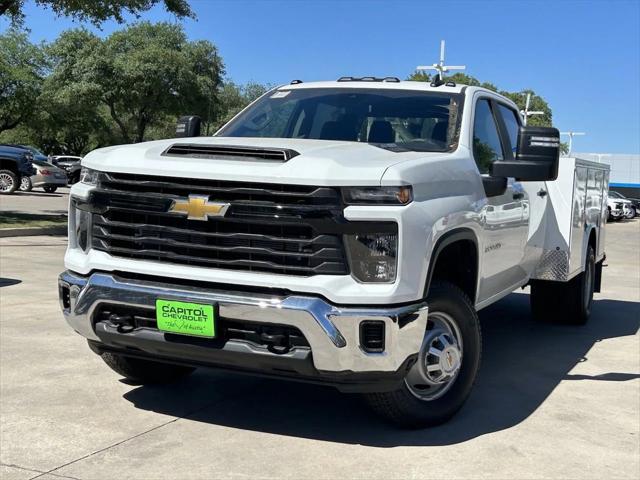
184 318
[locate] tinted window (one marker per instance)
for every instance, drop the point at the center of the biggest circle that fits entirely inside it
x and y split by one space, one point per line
510 118
395 119
486 141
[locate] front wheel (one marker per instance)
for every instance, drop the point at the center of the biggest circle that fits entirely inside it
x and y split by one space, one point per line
49 188
142 371
440 381
8 182
25 184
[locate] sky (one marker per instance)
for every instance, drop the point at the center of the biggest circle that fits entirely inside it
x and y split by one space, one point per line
583 57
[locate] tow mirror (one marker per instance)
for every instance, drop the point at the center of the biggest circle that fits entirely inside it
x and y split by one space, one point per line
536 158
188 126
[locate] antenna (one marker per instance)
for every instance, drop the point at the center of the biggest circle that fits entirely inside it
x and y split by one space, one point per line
440 67
571 135
526 113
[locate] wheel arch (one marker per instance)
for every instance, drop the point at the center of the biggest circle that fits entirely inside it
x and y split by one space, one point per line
462 242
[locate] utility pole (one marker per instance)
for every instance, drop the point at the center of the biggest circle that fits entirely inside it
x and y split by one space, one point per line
214 87
440 67
526 113
571 134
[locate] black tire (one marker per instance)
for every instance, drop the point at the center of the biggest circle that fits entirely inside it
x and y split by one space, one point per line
25 184
50 188
75 178
566 303
9 182
405 409
142 371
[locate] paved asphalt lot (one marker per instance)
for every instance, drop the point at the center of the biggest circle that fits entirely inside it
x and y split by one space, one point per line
550 402
37 201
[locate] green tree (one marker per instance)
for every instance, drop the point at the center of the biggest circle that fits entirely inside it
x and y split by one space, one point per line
519 98
143 75
234 98
22 67
95 11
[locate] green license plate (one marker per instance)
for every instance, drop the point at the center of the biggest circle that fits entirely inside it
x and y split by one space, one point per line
185 318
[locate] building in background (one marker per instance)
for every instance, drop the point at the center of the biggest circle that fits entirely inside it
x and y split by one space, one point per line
625 171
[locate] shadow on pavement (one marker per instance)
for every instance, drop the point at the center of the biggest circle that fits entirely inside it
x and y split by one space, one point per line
40 194
7 282
523 362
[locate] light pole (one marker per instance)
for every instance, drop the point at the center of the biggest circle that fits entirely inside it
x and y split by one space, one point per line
526 113
571 135
214 87
440 67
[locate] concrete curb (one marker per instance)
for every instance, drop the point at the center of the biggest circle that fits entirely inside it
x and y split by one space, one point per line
31 231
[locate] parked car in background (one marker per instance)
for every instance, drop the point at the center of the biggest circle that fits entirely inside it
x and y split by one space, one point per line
47 176
614 209
14 164
70 164
634 202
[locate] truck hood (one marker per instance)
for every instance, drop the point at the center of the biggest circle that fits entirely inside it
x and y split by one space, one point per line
320 162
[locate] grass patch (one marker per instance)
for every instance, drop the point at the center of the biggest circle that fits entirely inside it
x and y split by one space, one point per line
30 220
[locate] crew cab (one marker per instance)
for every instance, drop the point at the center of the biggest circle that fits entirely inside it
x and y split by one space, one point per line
344 233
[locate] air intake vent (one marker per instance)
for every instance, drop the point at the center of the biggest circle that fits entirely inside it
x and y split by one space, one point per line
230 152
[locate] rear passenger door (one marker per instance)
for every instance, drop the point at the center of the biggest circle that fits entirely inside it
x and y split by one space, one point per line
503 219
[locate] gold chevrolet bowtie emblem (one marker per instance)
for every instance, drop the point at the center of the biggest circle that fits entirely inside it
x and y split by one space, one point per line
198 207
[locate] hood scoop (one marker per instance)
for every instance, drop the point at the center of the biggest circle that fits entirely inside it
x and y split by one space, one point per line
229 152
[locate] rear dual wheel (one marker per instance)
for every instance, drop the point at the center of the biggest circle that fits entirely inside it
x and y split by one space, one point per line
440 381
565 302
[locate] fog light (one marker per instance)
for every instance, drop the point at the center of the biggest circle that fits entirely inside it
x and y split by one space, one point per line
372 336
373 257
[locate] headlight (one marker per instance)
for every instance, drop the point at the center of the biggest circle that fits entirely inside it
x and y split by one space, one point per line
89 176
373 256
377 195
82 226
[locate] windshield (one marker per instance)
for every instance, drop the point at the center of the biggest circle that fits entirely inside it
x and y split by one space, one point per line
40 163
33 150
394 119
615 195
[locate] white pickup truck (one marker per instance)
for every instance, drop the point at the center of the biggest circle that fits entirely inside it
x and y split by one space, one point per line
344 233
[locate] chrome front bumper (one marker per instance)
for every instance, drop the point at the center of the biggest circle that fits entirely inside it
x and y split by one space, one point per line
331 331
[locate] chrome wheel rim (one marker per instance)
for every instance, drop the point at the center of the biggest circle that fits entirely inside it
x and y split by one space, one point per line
439 360
24 183
6 182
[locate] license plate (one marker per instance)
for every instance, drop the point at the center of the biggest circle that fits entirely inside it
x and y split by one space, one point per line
195 319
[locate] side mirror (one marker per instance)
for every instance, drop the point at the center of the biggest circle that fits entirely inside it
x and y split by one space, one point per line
537 157
188 126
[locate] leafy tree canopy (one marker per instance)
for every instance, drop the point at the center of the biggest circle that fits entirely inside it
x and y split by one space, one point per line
519 98
81 91
22 66
140 74
95 11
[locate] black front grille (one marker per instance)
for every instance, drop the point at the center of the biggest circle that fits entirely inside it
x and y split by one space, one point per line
287 229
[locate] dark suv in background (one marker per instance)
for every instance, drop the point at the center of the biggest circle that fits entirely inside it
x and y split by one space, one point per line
15 163
70 164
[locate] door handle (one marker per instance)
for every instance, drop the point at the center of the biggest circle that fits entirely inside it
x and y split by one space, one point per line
542 193
518 196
